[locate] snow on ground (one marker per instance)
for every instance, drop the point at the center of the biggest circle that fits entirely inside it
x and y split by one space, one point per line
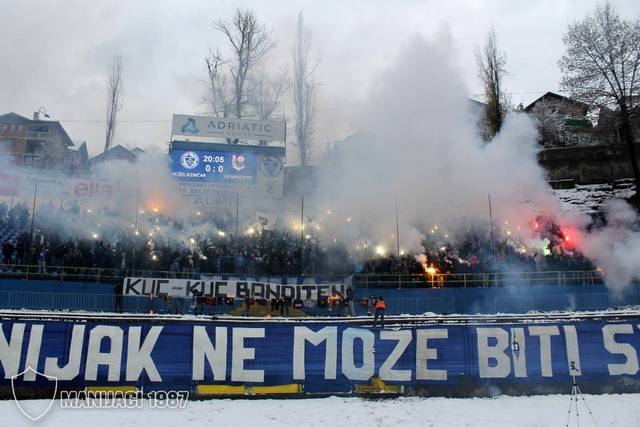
534 315
551 410
589 198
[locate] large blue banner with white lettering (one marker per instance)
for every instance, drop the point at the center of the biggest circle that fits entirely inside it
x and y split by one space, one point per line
323 356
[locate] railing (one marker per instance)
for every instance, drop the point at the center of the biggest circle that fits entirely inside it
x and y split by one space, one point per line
469 280
113 275
370 280
85 274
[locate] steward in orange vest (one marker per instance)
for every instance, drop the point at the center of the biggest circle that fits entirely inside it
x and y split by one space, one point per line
379 313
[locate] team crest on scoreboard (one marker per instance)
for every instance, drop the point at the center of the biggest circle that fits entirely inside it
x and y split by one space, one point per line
271 165
239 162
189 160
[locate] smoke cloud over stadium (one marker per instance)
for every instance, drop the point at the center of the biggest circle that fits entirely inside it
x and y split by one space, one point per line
420 147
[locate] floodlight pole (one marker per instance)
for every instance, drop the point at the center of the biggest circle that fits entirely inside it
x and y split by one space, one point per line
135 230
366 261
237 220
33 207
301 234
398 245
491 225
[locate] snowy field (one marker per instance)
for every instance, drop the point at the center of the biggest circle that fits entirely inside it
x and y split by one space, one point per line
608 410
589 198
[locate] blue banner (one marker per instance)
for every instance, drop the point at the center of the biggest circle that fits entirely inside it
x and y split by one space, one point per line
322 356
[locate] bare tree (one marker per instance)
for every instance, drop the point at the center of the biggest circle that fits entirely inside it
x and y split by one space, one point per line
265 93
304 90
491 71
219 98
601 66
114 94
250 42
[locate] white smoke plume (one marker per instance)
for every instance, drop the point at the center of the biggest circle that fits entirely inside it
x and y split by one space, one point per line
616 247
422 148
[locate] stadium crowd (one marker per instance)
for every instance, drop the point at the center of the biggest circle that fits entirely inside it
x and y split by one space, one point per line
184 250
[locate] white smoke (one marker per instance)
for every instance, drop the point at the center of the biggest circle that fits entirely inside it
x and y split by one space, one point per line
424 150
419 148
616 247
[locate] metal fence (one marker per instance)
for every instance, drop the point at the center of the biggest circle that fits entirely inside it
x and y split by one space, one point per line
475 280
112 275
69 273
369 280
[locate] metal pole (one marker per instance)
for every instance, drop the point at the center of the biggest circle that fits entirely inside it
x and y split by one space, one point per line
366 254
301 233
285 136
491 224
33 208
366 261
135 231
237 219
398 245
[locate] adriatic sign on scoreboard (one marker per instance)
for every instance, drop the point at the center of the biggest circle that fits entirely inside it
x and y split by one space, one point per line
215 127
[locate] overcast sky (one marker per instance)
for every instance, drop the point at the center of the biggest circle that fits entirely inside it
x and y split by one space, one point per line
56 54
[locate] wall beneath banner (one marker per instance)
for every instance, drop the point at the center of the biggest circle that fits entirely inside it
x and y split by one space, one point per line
60 295
321 357
504 299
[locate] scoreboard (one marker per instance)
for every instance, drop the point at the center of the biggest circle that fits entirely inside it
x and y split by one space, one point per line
206 169
214 166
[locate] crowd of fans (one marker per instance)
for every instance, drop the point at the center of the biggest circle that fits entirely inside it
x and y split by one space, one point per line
156 243
477 257
160 244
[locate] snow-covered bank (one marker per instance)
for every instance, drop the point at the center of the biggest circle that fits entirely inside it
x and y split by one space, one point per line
629 311
589 198
608 410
